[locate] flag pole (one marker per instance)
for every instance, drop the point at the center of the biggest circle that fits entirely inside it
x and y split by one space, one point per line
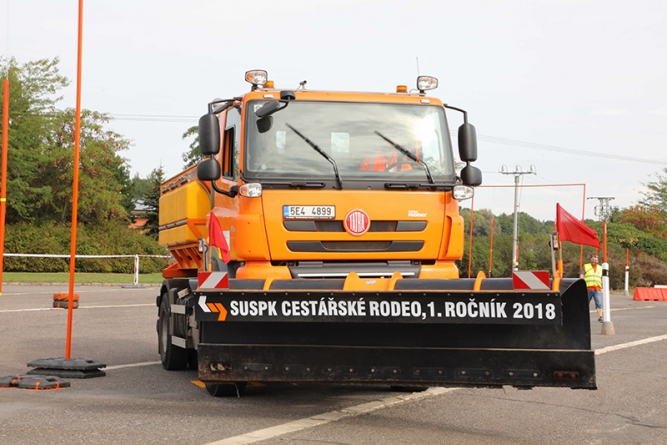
560 258
554 246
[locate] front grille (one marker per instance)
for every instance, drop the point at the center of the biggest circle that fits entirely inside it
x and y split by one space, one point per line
337 226
355 246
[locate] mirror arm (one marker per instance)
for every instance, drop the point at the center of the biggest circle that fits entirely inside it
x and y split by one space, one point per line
465 113
233 190
226 103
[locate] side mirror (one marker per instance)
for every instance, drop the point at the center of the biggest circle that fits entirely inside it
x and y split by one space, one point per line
208 170
209 134
269 108
264 124
471 176
467 143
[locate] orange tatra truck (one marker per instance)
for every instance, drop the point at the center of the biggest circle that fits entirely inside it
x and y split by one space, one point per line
338 215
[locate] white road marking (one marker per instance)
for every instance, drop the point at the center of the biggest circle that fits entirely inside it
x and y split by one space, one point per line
630 344
78 290
624 309
331 416
131 365
80 307
321 419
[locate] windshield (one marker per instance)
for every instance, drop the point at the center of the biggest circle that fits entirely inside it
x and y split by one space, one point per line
365 141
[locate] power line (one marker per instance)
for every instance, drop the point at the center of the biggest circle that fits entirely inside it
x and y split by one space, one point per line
153 118
505 141
481 137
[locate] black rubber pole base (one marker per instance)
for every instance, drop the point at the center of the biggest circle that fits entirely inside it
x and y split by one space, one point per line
78 368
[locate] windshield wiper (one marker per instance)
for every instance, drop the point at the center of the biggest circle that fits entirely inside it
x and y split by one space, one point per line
409 155
320 151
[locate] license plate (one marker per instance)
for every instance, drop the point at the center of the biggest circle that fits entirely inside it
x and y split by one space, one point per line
309 212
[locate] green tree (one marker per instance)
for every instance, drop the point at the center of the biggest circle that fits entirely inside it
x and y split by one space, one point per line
32 105
151 202
103 173
650 219
657 192
41 152
193 155
139 187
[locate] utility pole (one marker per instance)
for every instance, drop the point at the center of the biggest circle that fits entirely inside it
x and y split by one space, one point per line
517 174
603 210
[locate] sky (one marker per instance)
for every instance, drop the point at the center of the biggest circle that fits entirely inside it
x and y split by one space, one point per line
575 91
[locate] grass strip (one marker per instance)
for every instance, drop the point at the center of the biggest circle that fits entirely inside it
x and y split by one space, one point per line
111 278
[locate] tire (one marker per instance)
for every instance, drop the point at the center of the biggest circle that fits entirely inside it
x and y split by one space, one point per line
226 389
173 358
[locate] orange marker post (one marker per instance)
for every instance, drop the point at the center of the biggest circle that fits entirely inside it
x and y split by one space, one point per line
491 251
75 190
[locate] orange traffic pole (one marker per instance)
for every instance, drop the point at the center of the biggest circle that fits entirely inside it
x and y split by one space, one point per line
604 229
491 250
75 188
472 205
3 193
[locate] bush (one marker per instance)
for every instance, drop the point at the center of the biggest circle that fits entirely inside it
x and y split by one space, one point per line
108 239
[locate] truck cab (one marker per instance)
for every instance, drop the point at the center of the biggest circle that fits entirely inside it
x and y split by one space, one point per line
316 184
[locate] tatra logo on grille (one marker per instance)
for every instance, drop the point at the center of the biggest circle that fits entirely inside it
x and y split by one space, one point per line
357 222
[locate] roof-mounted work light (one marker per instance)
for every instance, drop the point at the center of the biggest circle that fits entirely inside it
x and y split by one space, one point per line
256 77
426 83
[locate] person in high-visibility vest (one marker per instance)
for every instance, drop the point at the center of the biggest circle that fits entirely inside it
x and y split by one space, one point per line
381 162
386 160
592 273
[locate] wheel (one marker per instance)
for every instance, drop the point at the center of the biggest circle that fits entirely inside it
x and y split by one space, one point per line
172 357
408 388
226 389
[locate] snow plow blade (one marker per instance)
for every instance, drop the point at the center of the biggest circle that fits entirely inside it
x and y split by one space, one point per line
423 332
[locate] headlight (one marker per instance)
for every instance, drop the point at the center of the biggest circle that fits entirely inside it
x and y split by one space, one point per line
251 190
256 77
426 83
463 192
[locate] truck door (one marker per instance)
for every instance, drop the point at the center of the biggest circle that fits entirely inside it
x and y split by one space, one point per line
226 208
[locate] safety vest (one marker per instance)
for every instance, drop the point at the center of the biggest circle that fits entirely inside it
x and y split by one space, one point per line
593 277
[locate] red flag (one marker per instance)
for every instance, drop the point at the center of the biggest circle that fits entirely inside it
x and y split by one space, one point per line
573 230
217 239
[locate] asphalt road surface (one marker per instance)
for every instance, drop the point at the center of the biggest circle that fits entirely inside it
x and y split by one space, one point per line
138 402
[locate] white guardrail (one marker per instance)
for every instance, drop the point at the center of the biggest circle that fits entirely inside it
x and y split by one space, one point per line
49 255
